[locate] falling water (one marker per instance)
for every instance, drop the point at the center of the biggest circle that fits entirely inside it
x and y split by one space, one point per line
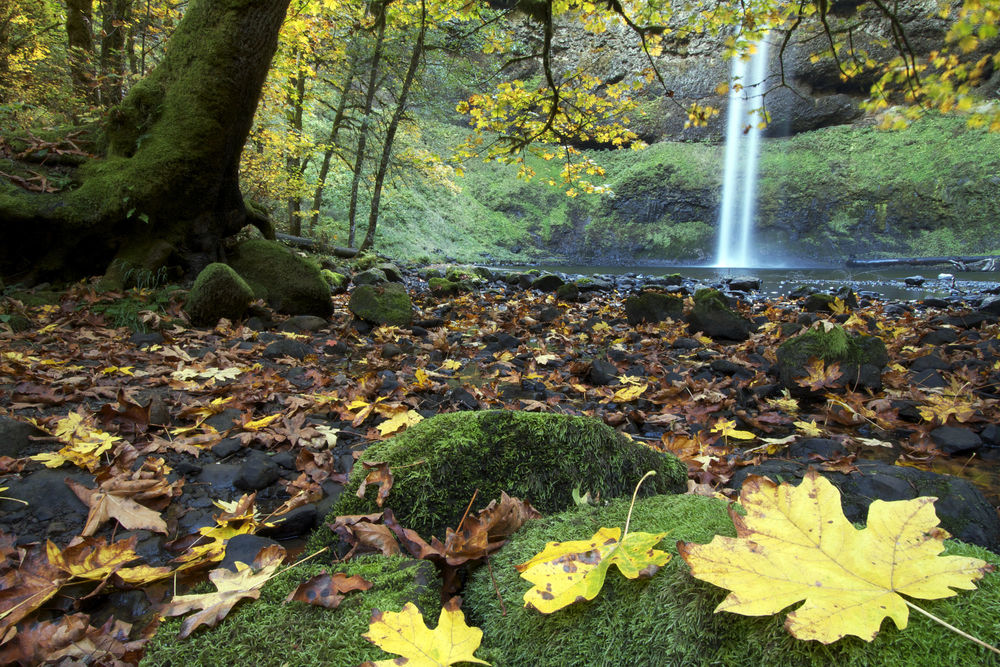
739 176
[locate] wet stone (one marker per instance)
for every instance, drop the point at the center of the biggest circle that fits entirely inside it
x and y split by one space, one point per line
955 439
257 472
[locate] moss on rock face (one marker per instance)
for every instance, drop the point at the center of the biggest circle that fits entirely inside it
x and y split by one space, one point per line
336 281
712 316
268 632
218 292
537 457
670 620
288 283
860 356
383 304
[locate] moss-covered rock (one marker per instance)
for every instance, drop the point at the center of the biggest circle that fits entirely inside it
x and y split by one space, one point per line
440 462
384 304
568 292
290 284
336 281
268 632
861 357
653 307
712 316
218 291
443 287
670 620
373 276
547 282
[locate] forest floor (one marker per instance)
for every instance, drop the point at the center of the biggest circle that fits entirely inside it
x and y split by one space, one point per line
139 453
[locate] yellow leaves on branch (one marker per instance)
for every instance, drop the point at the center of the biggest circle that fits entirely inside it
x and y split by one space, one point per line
795 544
567 572
405 633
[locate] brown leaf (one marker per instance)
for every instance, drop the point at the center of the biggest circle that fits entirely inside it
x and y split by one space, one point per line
364 535
26 588
131 415
326 590
104 506
378 473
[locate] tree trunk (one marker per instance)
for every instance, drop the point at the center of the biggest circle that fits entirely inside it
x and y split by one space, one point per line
114 22
80 39
169 182
390 134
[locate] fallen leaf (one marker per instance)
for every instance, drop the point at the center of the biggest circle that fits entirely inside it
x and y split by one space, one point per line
567 572
399 422
629 393
405 633
325 590
379 475
104 506
795 544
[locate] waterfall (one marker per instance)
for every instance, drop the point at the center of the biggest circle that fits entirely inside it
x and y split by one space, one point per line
739 175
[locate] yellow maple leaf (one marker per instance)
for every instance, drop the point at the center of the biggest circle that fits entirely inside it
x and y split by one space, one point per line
92 558
405 633
727 428
809 428
565 572
84 443
795 544
630 392
399 422
263 422
451 365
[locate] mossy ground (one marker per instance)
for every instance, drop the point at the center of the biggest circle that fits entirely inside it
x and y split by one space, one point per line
438 465
268 632
669 619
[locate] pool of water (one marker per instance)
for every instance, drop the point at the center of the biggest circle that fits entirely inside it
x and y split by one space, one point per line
888 282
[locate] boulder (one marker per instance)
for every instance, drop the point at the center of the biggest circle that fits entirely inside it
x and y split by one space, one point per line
670 618
336 281
391 271
385 304
962 508
218 292
439 463
712 316
548 282
269 633
289 283
860 357
374 276
443 287
568 292
652 307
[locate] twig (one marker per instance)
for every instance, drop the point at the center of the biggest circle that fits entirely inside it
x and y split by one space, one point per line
474 494
489 565
951 627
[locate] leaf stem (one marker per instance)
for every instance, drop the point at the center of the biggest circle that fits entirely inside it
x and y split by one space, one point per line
628 519
951 627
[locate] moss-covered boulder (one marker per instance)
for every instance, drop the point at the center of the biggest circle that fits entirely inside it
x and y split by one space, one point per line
268 632
382 304
373 276
443 287
669 619
860 357
547 282
290 284
336 281
440 462
568 292
218 291
712 316
652 307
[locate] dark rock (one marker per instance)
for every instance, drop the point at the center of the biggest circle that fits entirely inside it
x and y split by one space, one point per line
287 282
712 316
388 304
548 314
684 343
391 350
939 337
461 398
990 434
391 271
955 439
284 459
914 281
225 420
370 277
287 347
219 479
243 549
227 447
304 324
928 378
928 361
15 437
652 307
140 339
828 449
935 302
816 303
744 284
47 495
296 523
602 372
256 472
443 287
568 292
727 367
860 357
990 305
962 508
549 282
802 291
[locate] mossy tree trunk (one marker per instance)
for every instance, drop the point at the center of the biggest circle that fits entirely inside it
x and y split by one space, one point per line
166 191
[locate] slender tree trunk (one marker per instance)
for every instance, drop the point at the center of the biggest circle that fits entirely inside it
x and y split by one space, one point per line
115 20
295 165
169 182
390 134
80 39
359 158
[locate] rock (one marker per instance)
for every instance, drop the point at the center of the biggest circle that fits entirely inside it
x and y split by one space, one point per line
744 284
914 281
712 316
268 632
337 281
304 324
391 350
391 271
828 449
300 521
218 292
548 282
47 495
962 508
685 343
939 337
15 437
928 378
290 284
244 549
602 372
443 287
652 307
218 479
387 304
990 305
568 292
955 439
817 303
287 347
256 472
537 457
370 277
670 618
928 361
852 352
226 448
140 339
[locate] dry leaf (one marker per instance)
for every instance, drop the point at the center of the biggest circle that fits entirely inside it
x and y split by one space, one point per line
103 506
325 590
379 474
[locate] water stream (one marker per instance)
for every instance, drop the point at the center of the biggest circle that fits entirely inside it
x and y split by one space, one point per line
739 176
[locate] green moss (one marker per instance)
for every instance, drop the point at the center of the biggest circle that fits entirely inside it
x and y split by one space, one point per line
440 462
289 283
268 632
710 297
382 304
218 291
653 307
833 345
336 281
670 620
443 287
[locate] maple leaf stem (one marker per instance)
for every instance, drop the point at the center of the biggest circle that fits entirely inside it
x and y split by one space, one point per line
951 627
628 519
496 587
469 507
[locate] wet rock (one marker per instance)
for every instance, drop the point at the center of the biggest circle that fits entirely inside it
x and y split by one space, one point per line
391 350
287 282
990 305
939 337
828 449
443 287
860 357
243 549
287 347
304 324
47 495
928 378
391 271
652 307
955 439
219 479
602 372
712 316
140 339
684 343
914 281
568 292
387 304
15 436
256 472
296 523
548 282
227 447
929 361
744 284
218 291
370 277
